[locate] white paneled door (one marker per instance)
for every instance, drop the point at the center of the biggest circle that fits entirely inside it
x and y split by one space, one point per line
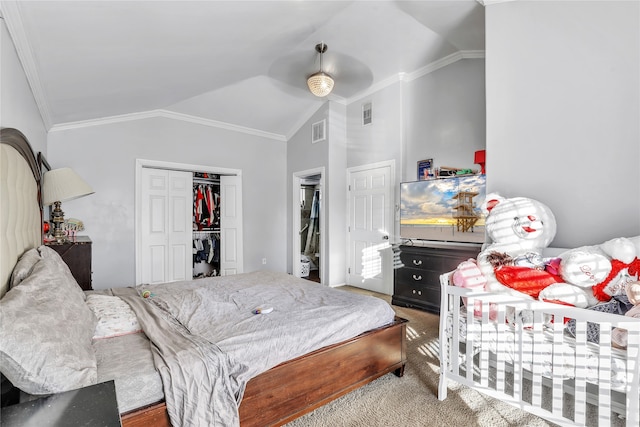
370 227
166 218
231 259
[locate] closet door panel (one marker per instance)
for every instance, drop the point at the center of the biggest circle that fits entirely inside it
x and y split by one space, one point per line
166 225
180 219
156 264
231 260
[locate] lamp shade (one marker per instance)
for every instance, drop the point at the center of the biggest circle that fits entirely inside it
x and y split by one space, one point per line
63 184
320 84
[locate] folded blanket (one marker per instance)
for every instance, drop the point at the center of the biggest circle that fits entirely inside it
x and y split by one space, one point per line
200 384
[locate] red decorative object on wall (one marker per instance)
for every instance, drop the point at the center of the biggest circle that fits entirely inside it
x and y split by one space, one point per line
479 159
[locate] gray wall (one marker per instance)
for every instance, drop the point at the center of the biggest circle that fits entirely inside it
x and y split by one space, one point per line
105 157
440 115
302 155
563 90
445 117
18 108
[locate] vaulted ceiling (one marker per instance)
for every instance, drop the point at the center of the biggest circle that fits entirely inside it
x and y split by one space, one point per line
233 63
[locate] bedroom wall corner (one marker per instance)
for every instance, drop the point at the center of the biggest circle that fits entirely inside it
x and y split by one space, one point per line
18 107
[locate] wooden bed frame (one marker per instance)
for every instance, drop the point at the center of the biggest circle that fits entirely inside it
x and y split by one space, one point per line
290 389
295 387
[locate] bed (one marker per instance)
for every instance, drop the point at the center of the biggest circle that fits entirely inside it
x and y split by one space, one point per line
274 393
519 351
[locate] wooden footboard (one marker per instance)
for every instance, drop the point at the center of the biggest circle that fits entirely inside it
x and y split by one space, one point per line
519 351
301 385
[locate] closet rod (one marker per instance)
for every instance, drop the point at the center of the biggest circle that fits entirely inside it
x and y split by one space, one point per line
206 181
206 231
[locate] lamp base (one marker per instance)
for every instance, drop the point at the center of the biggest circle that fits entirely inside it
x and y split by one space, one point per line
57 218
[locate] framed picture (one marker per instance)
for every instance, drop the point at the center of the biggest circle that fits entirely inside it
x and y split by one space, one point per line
366 114
425 169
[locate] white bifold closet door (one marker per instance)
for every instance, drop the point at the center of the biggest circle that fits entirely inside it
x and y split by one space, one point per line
166 225
166 230
231 259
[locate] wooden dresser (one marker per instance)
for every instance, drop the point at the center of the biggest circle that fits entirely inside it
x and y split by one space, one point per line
77 254
417 284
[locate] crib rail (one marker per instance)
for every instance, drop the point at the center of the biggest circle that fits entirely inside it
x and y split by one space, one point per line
518 350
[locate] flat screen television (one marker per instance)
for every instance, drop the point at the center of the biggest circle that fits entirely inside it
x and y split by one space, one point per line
443 210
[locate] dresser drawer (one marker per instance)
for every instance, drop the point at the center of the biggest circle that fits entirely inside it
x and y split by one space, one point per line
416 260
417 277
428 294
417 284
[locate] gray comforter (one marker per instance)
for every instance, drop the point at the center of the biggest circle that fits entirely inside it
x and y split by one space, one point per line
208 343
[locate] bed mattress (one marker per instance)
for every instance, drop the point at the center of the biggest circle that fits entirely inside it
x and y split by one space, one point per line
305 316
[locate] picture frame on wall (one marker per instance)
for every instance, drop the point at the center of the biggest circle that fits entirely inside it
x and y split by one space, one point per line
425 169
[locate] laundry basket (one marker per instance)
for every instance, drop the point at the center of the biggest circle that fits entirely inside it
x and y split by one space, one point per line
304 268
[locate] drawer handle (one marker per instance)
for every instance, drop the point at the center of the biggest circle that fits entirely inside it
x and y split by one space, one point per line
417 292
417 262
417 277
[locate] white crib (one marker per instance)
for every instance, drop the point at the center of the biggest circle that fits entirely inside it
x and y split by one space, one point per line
526 358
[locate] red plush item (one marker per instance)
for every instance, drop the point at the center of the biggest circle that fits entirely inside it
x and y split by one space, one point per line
616 267
525 279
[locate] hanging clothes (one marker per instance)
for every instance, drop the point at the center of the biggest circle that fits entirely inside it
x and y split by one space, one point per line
313 232
206 210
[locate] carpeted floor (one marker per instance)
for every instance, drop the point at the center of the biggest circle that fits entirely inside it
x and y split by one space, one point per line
412 400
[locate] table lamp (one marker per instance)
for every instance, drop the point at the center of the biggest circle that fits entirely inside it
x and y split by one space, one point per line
61 185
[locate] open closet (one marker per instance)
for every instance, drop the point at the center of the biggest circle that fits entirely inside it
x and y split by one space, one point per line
206 224
310 198
189 222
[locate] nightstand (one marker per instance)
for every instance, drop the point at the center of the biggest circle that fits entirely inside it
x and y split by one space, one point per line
77 254
92 406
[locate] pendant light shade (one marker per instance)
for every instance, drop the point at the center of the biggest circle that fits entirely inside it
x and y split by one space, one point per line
320 83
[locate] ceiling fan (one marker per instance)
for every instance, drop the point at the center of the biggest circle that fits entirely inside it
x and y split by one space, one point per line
320 83
300 71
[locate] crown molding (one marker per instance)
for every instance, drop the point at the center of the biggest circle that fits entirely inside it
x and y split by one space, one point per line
376 87
305 118
447 60
443 62
15 26
167 115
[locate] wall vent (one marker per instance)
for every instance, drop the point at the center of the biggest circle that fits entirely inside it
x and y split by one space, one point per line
366 113
318 131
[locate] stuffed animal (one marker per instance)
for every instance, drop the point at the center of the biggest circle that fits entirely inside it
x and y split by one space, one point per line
619 335
468 275
518 230
604 269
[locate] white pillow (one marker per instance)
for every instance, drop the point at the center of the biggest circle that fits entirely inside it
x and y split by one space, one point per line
115 317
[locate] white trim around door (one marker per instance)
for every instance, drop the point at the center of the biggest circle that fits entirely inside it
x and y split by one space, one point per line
298 178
